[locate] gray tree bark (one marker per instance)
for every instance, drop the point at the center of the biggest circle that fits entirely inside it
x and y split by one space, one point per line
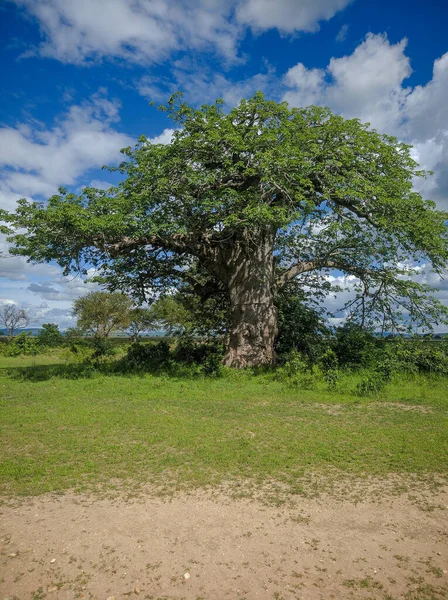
246 267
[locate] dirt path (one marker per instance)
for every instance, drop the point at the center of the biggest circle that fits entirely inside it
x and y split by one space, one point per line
209 546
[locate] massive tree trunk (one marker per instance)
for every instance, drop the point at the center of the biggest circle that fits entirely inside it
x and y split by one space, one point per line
248 268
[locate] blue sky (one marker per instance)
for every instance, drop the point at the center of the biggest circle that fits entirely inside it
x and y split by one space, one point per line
77 77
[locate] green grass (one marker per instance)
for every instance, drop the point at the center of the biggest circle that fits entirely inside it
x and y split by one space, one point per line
60 432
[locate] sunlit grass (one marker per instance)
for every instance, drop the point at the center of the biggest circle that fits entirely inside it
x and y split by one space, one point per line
60 432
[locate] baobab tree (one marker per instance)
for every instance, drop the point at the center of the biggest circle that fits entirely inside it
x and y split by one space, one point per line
241 203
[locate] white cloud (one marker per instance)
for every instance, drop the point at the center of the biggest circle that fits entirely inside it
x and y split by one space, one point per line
146 31
288 15
138 31
342 33
37 160
164 138
370 84
200 84
366 84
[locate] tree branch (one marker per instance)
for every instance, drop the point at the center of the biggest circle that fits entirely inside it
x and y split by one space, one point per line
324 263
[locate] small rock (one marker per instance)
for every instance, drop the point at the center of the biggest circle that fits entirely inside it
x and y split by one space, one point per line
137 590
52 561
111 598
52 589
12 555
187 575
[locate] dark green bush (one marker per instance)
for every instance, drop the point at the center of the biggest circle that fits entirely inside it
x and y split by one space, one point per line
146 356
50 336
102 348
300 328
355 346
330 368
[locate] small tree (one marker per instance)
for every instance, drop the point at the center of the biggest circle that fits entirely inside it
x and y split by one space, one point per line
101 313
50 335
141 319
13 318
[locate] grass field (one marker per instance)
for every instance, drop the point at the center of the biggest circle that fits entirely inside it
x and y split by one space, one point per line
59 431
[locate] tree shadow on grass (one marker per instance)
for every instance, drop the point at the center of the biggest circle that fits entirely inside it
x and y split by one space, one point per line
73 371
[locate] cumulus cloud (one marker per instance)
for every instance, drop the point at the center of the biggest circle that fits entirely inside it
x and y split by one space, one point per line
36 160
370 84
164 138
138 31
200 84
142 31
288 15
366 84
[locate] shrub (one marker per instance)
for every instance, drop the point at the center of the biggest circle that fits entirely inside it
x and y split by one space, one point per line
418 356
147 356
377 379
300 327
355 346
102 348
23 343
297 371
50 336
208 354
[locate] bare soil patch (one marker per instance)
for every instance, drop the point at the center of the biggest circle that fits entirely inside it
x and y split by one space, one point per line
208 545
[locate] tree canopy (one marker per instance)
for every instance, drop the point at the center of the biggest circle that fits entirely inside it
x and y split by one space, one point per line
242 203
101 313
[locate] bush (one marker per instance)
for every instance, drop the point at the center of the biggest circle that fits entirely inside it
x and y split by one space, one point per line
300 328
371 384
102 348
329 365
50 336
417 356
297 371
23 343
355 346
147 356
191 351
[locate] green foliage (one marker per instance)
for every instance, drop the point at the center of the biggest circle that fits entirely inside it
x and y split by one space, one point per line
417 356
141 320
146 357
50 336
337 194
187 351
102 348
329 365
355 346
301 327
101 313
373 383
24 343
186 313
297 371
207 354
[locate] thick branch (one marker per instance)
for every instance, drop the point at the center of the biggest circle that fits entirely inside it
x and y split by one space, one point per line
311 265
196 243
204 290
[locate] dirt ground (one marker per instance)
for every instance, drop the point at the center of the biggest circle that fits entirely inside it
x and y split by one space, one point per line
209 545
